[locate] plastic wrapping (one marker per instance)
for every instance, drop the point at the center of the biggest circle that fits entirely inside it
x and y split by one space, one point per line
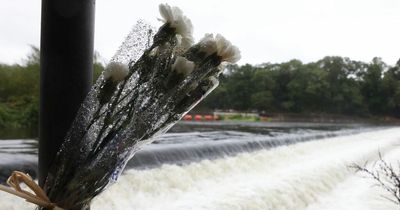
126 108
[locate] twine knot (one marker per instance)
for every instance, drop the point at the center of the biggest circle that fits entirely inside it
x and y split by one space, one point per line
38 196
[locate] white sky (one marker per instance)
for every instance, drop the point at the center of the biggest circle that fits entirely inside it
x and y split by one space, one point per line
264 30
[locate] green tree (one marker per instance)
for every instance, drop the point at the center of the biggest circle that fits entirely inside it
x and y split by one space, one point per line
372 86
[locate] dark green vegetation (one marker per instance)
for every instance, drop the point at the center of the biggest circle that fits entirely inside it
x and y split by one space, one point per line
19 93
332 85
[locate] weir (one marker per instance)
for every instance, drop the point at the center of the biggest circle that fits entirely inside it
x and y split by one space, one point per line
181 149
295 176
177 148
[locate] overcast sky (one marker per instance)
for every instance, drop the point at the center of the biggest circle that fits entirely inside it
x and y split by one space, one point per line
264 30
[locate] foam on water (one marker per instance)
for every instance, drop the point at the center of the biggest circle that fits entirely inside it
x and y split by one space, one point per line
357 193
288 177
311 175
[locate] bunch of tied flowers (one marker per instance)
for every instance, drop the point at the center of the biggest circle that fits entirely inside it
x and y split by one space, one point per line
131 103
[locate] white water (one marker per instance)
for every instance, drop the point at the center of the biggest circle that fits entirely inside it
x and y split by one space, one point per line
311 175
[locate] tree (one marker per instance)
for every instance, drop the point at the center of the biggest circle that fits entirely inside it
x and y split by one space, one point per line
372 87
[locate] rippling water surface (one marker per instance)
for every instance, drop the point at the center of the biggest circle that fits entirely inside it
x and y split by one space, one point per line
240 166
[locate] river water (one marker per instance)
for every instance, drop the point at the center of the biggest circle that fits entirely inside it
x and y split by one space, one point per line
275 166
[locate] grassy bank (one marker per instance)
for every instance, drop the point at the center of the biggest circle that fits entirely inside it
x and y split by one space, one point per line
311 117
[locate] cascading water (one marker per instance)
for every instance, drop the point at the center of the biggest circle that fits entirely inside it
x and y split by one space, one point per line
288 177
180 148
196 146
309 175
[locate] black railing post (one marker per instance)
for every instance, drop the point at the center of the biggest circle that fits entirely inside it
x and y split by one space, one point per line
66 50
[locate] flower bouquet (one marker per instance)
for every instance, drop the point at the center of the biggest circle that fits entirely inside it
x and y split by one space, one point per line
131 103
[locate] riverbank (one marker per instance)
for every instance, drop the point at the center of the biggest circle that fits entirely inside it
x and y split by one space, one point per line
331 118
32 133
290 117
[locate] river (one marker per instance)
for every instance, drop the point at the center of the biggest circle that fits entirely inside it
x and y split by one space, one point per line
230 166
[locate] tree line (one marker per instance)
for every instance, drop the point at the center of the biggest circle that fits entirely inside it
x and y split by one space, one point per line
332 85
19 92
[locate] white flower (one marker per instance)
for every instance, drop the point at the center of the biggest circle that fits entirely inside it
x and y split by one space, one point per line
226 50
184 43
182 25
183 66
116 71
208 44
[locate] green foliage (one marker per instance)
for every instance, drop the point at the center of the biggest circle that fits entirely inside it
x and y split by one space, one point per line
19 92
333 85
239 117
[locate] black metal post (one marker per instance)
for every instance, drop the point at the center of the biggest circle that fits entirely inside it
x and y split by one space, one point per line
66 60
